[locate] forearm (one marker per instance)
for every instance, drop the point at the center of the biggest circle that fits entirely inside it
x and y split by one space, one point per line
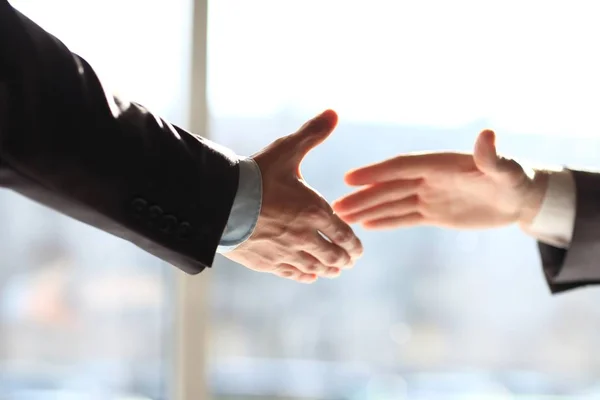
106 162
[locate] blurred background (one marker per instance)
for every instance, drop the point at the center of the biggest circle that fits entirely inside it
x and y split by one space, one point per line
426 314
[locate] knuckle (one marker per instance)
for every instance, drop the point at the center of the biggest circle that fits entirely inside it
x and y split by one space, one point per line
284 271
316 268
286 274
280 141
332 258
307 261
359 247
309 267
344 235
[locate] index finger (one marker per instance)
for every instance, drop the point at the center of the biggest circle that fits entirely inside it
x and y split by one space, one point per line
406 166
341 234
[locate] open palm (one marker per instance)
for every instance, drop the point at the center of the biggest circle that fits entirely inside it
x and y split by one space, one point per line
454 190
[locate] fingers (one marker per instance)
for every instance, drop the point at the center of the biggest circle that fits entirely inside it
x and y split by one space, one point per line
315 266
410 166
341 235
392 209
342 241
324 243
404 221
328 253
306 269
375 195
310 265
311 134
290 272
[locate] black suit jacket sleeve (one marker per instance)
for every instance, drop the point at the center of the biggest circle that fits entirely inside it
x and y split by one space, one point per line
580 264
106 162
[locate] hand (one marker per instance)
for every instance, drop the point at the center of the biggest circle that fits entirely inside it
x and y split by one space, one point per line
297 235
479 190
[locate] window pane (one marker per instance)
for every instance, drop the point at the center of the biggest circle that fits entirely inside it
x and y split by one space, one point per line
427 313
84 315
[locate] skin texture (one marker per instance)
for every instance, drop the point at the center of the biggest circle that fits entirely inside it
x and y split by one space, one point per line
298 236
446 189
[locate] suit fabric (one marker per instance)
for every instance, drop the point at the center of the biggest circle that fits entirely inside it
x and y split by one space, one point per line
112 164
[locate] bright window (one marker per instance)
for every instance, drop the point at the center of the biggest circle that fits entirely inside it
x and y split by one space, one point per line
84 315
427 313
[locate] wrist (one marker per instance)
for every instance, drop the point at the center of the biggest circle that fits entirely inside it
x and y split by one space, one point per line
533 198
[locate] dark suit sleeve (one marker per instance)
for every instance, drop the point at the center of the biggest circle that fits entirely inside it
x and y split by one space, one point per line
580 264
106 162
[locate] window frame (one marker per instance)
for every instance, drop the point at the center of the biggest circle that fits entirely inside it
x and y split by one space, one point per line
189 364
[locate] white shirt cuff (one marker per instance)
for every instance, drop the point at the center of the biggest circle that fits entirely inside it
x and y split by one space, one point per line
555 221
246 207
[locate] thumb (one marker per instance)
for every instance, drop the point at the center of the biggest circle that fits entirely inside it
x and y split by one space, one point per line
311 134
485 155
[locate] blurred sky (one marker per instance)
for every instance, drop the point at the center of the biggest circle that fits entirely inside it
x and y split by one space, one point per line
521 65
530 66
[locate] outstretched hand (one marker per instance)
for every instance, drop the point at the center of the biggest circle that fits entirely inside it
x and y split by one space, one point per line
455 190
298 236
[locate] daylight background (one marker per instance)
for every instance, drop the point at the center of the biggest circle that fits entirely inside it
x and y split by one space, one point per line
427 313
